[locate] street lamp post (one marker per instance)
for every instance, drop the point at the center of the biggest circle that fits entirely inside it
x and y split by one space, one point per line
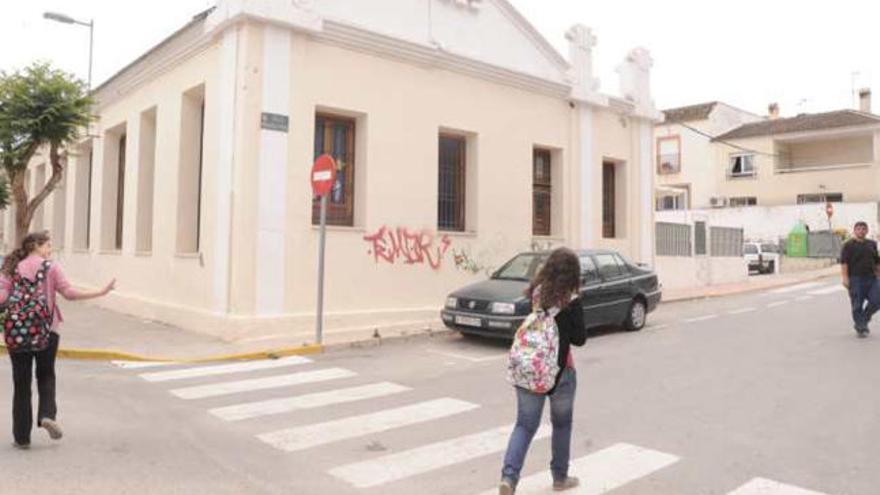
66 19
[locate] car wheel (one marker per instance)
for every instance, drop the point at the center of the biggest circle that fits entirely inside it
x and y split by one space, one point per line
637 316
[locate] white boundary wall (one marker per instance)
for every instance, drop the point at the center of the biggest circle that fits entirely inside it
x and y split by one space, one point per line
770 223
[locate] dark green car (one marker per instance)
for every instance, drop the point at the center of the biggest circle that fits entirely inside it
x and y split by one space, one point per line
613 291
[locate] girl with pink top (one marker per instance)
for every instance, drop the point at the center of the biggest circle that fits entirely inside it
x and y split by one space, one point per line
27 261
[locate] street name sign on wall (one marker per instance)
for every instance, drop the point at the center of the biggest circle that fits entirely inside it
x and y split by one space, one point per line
274 122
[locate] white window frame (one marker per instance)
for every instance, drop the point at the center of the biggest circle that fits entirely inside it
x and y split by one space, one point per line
751 162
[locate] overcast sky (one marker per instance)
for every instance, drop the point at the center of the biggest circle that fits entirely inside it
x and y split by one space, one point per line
744 52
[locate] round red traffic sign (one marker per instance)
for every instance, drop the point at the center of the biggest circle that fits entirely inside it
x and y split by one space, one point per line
323 175
829 210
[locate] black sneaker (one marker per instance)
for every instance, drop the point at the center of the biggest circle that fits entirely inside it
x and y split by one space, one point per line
21 446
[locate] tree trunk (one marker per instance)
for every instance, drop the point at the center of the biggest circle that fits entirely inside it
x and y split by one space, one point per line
22 216
25 209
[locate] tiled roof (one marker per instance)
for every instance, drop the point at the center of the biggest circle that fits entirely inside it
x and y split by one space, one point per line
801 123
690 112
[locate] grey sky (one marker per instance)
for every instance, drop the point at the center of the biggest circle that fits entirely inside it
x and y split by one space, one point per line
747 53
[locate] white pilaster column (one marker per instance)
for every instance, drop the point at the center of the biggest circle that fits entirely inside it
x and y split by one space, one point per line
226 103
272 178
587 184
646 193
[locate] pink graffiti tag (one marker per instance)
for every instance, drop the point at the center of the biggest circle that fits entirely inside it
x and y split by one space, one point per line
411 248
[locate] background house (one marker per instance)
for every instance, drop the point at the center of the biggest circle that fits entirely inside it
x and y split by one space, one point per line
685 153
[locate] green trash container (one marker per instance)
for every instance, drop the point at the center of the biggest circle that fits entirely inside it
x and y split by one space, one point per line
796 245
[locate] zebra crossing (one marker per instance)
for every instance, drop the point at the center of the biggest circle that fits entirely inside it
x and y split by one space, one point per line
603 471
809 288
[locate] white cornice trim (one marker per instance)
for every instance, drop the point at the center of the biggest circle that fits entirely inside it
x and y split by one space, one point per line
354 38
197 38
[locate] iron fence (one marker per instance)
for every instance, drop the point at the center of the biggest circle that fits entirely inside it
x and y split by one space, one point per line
673 239
726 242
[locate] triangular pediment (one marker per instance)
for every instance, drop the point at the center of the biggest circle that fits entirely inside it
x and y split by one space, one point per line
489 31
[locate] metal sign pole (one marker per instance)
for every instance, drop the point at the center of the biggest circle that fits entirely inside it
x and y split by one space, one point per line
319 338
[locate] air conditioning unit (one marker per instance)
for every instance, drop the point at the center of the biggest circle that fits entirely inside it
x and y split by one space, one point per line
718 202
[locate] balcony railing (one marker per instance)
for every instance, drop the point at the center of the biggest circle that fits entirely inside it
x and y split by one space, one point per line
799 169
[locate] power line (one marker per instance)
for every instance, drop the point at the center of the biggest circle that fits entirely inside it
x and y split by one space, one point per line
714 138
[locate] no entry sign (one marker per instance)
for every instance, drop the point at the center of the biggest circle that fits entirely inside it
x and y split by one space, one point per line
323 175
829 210
323 178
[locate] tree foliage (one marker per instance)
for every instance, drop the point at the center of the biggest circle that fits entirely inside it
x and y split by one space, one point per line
43 110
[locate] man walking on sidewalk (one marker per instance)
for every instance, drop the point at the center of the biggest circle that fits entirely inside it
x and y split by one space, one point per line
859 264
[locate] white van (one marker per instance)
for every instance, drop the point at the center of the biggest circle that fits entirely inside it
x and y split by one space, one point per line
762 257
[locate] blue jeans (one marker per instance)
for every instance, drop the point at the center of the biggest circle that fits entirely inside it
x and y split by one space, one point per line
529 407
864 294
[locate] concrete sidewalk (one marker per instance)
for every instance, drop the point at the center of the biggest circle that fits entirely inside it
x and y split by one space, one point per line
90 332
754 283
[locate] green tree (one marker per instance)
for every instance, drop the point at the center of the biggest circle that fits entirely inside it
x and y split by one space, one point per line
41 108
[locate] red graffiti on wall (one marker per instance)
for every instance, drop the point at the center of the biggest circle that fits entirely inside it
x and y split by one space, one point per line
408 247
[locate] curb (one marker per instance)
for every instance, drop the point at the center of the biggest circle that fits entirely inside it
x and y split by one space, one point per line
111 355
748 290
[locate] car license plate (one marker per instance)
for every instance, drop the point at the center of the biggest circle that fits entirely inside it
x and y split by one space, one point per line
468 321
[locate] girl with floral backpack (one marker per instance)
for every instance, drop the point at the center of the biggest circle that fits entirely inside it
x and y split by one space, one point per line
29 321
541 366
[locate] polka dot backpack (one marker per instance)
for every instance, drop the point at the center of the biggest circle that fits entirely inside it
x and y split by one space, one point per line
27 317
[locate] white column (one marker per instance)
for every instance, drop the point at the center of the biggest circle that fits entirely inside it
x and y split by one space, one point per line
130 193
272 178
588 239
646 193
226 103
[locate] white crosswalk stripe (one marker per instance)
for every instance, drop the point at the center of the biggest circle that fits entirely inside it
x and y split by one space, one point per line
602 471
428 458
225 369
304 437
225 388
795 288
762 486
831 289
251 410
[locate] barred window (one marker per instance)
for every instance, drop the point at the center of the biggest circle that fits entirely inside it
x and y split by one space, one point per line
452 183
335 136
542 193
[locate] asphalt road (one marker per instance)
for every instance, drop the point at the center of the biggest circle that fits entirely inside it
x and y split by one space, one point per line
766 393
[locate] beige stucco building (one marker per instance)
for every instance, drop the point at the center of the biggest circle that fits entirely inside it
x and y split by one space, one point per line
714 156
462 138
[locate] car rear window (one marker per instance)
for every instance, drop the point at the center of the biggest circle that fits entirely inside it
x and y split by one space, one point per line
768 248
750 249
